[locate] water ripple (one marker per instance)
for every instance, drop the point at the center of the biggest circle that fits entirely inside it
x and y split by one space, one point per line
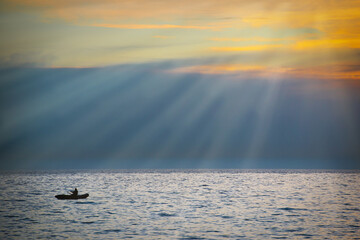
181 204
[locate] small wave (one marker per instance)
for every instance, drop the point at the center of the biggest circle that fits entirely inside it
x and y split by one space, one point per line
109 231
323 226
167 214
28 220
72 221
112 230
292 215
225 236
354 226
304 235
294 230
46 214
292 209
11 216
352 209
92 203
13 200
90 222
191 237
200 206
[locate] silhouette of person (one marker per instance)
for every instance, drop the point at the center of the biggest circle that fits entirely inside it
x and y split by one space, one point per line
75 192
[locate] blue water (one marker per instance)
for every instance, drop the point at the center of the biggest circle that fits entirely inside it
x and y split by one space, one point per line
188 204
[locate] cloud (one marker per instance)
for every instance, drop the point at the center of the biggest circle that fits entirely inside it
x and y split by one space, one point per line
219 69
339 74
247 48
286 33
256 39
326 44
147 26
28 59
123 114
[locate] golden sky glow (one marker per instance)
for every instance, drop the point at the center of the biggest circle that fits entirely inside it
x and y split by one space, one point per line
292 34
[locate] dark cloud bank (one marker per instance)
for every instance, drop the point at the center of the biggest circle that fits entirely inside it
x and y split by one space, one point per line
140 116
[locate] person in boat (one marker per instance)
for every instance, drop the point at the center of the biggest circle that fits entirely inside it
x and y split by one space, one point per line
75 192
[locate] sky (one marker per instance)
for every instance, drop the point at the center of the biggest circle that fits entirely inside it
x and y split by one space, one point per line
179 84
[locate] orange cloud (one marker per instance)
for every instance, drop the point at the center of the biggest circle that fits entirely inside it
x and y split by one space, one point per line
297 45
327 43
327 72
337 23
257 39
149 26
265 39
217 69
246 48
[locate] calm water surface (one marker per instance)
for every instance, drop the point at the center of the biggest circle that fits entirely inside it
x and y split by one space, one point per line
188 204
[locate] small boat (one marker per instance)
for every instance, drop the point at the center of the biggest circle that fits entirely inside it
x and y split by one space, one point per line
63 196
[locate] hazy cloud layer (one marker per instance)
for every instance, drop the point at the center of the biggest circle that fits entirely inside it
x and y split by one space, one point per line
143 115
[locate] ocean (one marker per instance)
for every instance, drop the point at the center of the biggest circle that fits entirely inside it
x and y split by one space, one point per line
181 204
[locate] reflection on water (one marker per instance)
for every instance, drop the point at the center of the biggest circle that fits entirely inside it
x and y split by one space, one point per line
187 204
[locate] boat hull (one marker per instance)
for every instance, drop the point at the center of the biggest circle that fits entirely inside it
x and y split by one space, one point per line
71 197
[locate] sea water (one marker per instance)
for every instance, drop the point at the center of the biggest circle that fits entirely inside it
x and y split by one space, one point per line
181 204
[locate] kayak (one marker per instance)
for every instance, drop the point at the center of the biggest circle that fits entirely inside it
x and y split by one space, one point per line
63 196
